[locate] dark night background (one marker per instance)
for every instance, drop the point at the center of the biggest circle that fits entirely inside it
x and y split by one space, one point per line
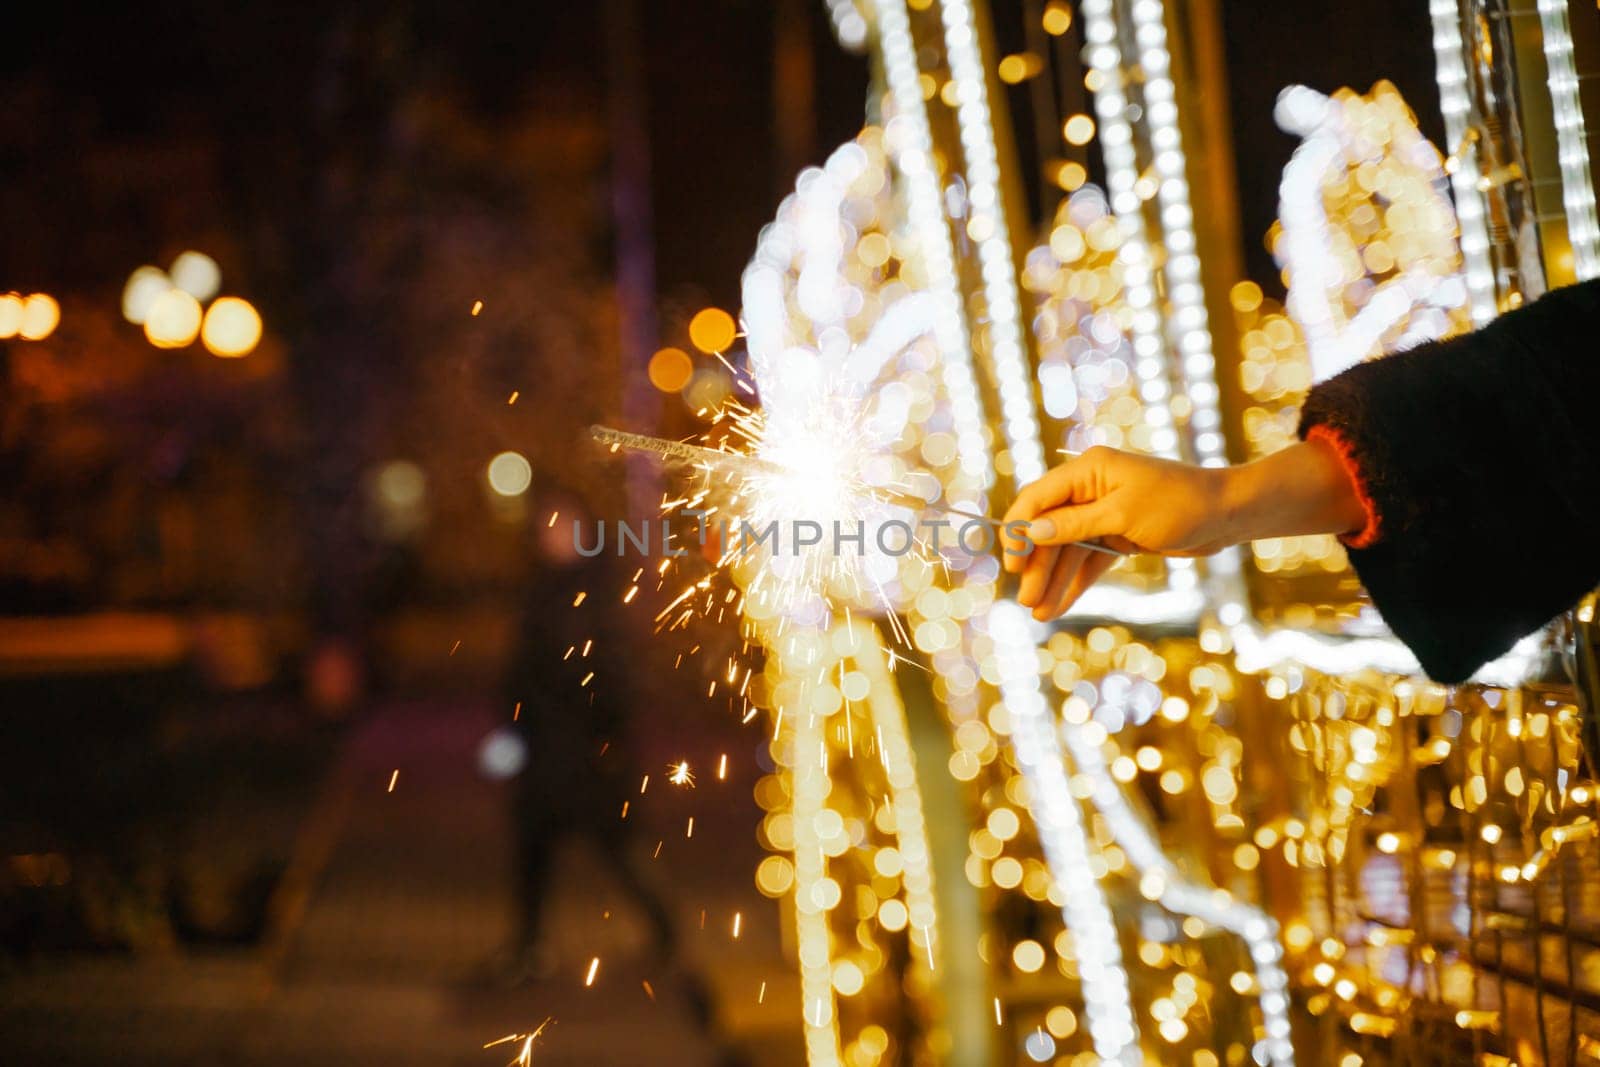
220 643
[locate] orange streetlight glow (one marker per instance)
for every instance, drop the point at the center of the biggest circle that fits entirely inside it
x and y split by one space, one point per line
712 330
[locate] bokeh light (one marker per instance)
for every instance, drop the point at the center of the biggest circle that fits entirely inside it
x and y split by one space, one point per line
173 320
1018 68
197 274
670 369
143 287
10 314
708 389
40 314
1079 129
232 328
1057 18
1071 175
712 330
510 474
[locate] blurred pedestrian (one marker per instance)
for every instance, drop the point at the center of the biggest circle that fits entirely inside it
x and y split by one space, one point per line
570 681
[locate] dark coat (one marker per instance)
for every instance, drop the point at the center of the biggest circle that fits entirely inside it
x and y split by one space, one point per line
1481 458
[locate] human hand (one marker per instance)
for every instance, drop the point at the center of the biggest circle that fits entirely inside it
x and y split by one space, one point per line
1125 500
1137 503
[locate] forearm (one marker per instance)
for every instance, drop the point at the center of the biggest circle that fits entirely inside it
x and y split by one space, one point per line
1303 489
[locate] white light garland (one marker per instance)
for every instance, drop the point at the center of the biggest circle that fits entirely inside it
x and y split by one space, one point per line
812 935
1190 327
1572 144
1179 895
1056 817
1122 172
1188 321
910 143
911 832
1450 72
1257 650
1118 151
1107 1006
987 226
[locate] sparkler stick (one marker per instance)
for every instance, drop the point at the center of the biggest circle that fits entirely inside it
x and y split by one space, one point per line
712 459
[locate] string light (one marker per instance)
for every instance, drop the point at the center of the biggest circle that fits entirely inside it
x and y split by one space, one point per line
1572 142
910 142
1455 104
1183 897
1006 344
1060 827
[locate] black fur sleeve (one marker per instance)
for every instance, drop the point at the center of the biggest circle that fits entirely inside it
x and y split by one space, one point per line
1481 456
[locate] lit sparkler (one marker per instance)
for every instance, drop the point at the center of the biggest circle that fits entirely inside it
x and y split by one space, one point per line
679 774
810 469
524 1055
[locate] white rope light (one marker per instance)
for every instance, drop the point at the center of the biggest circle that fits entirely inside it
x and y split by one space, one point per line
1572 145
848 25
1161 880
911 145
987 227
911 832
1117 150
1122 172
1450 72
1187 321
815 940
1055 815
1106 1003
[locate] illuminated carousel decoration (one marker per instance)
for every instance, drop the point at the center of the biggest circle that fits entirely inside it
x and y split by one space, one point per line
1193 738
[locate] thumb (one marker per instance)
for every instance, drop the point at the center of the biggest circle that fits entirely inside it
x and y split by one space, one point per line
1074 522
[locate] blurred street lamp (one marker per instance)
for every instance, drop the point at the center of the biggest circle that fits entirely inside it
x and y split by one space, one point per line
670 369
32 318
144 286
170 307
10 314
40 315
510 474
232 328
196 274
173 320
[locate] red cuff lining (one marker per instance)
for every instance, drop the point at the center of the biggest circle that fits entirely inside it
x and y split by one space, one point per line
1368 535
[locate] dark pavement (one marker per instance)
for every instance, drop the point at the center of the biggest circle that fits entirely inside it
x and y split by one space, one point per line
395 900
